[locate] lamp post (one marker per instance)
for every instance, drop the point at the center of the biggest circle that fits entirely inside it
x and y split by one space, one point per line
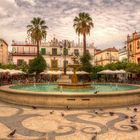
64 47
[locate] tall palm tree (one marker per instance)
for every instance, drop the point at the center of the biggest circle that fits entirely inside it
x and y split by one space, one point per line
37 31
83 24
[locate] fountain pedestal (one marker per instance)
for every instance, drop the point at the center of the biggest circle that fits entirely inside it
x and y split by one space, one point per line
64 79
74 83
79 86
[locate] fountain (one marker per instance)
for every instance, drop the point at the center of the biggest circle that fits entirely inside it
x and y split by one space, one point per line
71 93
73 83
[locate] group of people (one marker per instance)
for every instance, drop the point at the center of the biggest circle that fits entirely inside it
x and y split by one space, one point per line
6 78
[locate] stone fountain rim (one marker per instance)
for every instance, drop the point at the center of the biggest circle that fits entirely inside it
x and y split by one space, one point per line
84 94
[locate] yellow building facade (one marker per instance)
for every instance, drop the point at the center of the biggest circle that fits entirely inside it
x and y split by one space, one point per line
106 56
3 52
133 45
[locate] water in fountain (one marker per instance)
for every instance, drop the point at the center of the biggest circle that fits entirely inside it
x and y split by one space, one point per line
116 87
61 89
34 82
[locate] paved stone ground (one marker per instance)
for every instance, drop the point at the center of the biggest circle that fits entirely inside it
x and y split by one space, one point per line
48 124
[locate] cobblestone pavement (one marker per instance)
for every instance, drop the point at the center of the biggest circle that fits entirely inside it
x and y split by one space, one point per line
47 124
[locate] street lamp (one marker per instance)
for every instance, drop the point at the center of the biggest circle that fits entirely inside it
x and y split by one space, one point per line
65 45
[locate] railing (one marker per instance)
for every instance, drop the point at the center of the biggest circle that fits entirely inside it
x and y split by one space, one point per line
107 59
58 54
22 43
23 53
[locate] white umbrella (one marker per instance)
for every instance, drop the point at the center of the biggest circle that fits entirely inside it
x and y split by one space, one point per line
123 71
11 72
1 70
52 72
77 72
4 70
106 72
14 72
120 72
82 72
69 72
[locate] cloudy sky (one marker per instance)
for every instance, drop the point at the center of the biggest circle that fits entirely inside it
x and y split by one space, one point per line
113 19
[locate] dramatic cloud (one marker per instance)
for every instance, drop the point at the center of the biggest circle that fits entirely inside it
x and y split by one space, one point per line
113 19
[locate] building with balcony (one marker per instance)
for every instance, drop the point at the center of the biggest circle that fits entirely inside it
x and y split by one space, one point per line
123 54
23 52
3 52
106 56
56 53
59 53
133 46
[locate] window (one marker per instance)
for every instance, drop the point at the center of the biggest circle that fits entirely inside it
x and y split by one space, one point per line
130 47
54 51
138 44
30 61
76 52
101 58
25 49
43 51
65 51
32 50
20 62
138 60
54 64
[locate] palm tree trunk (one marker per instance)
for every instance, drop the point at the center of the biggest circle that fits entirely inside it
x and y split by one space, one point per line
37 48
84 43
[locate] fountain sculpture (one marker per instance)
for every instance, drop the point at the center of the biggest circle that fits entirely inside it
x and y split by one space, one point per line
73 83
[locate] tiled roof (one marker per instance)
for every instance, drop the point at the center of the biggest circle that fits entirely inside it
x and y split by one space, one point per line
107 50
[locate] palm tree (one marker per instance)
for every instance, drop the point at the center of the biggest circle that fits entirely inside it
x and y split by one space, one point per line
83 24
37 31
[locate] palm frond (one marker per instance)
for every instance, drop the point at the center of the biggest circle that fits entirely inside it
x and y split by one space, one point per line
83 23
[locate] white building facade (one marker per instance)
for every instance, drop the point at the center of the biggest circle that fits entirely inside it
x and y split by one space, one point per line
23 52
55 52
123 54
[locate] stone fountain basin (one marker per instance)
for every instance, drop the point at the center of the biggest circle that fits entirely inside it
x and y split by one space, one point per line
73 100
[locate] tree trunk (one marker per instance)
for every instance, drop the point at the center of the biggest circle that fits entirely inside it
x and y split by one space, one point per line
37 48
84 43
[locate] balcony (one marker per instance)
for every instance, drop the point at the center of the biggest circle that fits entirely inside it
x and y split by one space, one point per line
58 54
23 54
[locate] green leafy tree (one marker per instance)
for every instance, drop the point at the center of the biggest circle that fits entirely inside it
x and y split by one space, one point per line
132 67
37 65
96 69
111 66
86 62
37 31
24 67
117 66
138 68
83 24
121 65
9 66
